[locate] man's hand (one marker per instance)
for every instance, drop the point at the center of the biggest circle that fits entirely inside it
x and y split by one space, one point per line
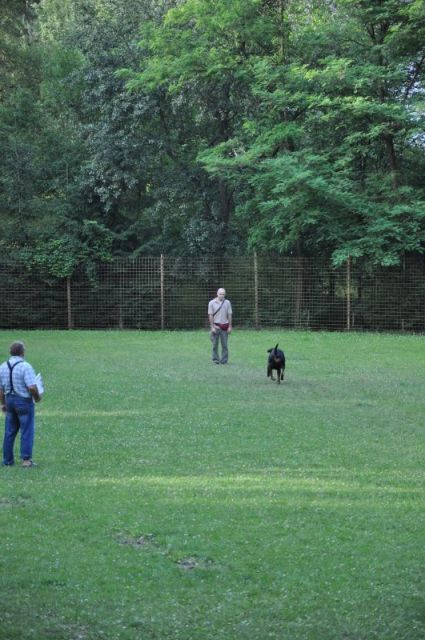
3 401
33 389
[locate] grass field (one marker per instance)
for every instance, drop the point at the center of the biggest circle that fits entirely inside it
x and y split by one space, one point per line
175 499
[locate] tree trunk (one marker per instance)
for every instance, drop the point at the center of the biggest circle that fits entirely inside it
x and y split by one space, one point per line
226 207
389 143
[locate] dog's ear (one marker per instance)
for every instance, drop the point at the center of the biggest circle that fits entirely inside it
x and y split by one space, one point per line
269 350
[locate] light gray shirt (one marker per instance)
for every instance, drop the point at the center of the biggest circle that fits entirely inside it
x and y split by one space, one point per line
224 315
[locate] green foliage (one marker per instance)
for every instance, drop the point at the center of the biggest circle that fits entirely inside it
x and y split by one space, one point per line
322 153
59 257
198 127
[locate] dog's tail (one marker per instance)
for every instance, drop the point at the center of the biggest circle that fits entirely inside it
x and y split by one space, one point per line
275 349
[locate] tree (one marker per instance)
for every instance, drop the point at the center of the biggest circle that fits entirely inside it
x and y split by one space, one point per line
329 161
198 63
199 127
306 117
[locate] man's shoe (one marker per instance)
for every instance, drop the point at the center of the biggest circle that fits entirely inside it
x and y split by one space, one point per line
29 463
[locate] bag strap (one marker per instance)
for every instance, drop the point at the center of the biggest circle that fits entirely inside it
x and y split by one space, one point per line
217 310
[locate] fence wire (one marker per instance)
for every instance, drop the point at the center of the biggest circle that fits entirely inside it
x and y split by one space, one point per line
173 293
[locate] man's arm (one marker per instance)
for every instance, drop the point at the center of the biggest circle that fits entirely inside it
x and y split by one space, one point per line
2 400
32 388
31 382
211 318
229 315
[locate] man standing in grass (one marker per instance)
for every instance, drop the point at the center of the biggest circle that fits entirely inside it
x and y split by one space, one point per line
220 317
18 391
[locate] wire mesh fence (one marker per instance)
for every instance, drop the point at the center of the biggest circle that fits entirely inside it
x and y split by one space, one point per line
173 293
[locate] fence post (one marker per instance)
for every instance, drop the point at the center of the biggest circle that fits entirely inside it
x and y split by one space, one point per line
162 292
68 301
349 293
121 284
256 290
403 295
299 294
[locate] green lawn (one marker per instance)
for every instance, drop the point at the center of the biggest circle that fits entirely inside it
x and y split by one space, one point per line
175 499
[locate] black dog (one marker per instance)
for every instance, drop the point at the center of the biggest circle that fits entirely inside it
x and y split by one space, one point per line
276 362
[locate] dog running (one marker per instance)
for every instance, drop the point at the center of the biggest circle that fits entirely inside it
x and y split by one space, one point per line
276 362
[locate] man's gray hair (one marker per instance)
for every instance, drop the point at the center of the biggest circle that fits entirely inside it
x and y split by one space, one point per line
17 349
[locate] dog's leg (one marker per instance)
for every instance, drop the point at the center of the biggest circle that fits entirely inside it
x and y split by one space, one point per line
278 376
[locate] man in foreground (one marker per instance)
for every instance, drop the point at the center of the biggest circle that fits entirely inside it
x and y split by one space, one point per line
220 317
18 392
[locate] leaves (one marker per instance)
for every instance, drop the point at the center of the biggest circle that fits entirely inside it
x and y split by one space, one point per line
194 127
